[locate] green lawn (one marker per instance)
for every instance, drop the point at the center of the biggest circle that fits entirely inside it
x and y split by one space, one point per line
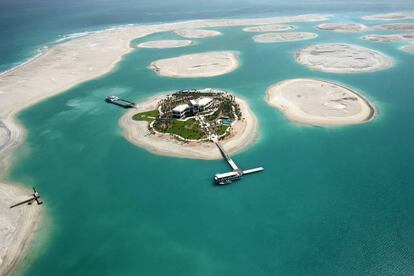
189 129
220 129
148 116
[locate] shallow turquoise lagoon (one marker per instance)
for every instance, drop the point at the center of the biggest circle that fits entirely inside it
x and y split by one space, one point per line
331 201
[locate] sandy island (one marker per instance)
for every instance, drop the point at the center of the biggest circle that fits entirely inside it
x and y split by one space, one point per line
389 38
193 33
162 44
396 27
390 16
342 58
319 103
409 49
75 61
269 28
208 64
283 37
343 27
16 225
243 134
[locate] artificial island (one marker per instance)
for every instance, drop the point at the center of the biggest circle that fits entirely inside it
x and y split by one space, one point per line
197 123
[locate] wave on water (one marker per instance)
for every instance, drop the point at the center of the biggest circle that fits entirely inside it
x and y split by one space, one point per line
17 65
63 38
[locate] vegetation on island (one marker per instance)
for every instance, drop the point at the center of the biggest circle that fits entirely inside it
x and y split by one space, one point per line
162 120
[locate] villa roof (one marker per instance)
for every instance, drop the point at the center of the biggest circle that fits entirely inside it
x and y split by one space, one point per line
180 108
204 101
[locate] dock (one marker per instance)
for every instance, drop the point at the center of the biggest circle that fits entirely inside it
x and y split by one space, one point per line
119 102
236 173
35 197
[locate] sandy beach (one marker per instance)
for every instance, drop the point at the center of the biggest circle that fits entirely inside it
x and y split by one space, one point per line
194 33
409 49
163 44
136 132
269 28
390 16
342 58
16 225
320 103
208 64
78 60
395 27
342 27
283 37
389 38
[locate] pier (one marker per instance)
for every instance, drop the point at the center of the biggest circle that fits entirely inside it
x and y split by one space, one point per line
236 173
35 197
119 102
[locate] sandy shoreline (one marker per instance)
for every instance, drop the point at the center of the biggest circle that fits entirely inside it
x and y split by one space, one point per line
283 37
320 103
136 132
342 27
17 225
194 33
408 49
342 58
268 28
164 44
199 65
389 37
81 59
390 16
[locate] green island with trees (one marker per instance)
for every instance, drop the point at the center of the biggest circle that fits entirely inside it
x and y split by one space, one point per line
193 114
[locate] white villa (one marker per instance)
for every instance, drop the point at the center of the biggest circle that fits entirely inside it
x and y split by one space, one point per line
192 107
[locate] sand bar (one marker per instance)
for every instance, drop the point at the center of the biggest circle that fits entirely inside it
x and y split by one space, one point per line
269 28
194 33
16 225
409 49
343 27
283 37
81 59
243 134
389 38
208 64
321 103
396 27
162 44
390 16
342 58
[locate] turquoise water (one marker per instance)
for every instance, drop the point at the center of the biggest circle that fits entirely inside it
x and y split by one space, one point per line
336 201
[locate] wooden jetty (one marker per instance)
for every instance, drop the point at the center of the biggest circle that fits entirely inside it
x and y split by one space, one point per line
236 173
35 197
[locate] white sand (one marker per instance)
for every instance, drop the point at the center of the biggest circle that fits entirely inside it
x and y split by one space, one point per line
283 37
16 225
269 28
162 44
78 60
389 38
194 33
409 49
342 58
343 27
136 132
396 27
208 64
390 16
320 103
